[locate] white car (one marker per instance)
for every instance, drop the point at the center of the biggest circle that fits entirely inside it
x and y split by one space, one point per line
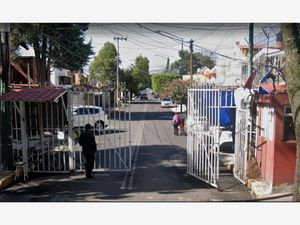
166 102
93 115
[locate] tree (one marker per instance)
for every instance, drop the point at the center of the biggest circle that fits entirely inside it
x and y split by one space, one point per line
177 89
127 80
140 72
60 45
104 66
291 39
183 64
161 81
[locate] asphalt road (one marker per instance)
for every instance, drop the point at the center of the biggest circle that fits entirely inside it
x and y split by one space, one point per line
158 174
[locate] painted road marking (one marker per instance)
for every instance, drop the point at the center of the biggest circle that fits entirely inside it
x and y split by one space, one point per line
137 142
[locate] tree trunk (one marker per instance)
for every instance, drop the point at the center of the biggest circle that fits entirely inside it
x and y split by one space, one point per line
37 51
43 59
292 75
48 64
40 47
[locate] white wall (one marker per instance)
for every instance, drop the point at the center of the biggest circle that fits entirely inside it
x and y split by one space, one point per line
55 74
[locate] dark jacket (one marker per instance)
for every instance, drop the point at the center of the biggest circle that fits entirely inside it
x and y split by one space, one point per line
87 141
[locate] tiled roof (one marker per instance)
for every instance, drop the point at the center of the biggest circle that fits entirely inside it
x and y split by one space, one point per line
33 94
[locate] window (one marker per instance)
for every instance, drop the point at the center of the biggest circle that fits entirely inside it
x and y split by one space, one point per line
80 111
64 80
93 111
289 126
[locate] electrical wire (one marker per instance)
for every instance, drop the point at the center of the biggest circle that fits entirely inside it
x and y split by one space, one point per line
207 28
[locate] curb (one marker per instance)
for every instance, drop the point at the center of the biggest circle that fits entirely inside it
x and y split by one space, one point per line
274 196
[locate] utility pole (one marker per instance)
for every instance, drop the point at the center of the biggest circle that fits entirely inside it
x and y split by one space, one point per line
251 48
118 53
191 59
181 44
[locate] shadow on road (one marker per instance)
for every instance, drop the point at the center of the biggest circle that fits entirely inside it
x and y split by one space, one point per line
160 170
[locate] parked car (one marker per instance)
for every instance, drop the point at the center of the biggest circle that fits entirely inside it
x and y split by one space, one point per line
93 115
166 102
143 96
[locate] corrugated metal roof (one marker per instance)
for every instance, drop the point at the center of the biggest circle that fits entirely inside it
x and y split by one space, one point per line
34 94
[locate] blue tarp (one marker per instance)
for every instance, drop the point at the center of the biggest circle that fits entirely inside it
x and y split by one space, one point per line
226 115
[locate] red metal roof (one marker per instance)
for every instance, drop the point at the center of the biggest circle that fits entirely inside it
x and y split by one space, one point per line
33 94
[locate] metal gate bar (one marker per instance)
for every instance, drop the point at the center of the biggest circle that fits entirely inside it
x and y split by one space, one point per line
241 142
203 144
202 157
113 142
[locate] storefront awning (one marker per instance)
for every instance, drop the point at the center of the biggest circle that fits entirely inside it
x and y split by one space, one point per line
34 94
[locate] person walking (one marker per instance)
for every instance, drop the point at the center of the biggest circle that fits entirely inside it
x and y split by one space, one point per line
89 148
176 121
181 127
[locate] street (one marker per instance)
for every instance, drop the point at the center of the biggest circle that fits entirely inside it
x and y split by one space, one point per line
158 172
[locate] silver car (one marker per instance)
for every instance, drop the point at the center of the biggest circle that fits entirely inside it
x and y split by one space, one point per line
166 102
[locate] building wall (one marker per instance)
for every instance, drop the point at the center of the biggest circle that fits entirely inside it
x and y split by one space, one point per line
277 158
75 79
56 74
265 151
285 151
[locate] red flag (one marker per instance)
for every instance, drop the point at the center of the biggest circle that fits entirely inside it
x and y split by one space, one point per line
249 81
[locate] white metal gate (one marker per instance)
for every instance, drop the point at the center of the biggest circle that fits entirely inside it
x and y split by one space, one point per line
205 105
203 135
241 145
111 129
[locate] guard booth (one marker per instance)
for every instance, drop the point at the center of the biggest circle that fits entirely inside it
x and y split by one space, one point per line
39 128
46 124
210 121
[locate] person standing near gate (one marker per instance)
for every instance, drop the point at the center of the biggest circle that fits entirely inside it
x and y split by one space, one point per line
176 121
89 148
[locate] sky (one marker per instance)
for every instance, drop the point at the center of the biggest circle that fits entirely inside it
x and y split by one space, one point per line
158 41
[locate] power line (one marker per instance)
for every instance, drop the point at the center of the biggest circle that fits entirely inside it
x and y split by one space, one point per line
199 47
207 28
149 37
146 43
61 45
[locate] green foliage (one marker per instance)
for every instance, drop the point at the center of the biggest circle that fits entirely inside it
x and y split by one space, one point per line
177 89
60 45
127 81
182 66
103 67
140 73
160 81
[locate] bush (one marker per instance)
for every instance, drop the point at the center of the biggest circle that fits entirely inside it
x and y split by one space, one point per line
160 81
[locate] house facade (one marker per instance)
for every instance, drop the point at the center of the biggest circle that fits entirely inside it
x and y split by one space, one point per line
276 144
